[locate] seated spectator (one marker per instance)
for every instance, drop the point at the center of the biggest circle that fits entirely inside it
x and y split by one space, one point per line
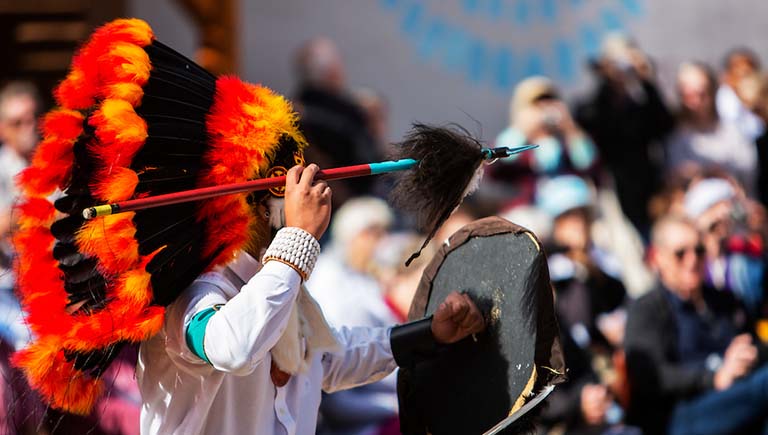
399 281
735 252
589 303
585 277
539 116
531 218
692 367
761 108
701 138
349 295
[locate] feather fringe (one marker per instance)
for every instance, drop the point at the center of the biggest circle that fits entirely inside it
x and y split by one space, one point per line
104 89
110 240
245 125
90 77
52 162
108 73
49 372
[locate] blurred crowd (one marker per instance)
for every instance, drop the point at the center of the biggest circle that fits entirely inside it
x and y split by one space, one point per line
652 215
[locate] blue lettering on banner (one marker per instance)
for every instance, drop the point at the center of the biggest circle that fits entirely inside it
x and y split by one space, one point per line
590 40
611 20
534 64
496 8
489 42
522 12
471 6
477 60
633 7
388 4
412 19
566 64
549 9
504 71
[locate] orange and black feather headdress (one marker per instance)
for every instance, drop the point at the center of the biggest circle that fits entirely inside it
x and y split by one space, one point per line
135 119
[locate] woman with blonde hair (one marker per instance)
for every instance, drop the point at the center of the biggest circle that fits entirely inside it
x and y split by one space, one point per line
539 116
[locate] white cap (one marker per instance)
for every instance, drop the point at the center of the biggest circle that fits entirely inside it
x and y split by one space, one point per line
357 215
705 194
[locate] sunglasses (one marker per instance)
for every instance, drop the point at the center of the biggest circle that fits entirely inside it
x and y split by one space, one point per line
698 250
17 123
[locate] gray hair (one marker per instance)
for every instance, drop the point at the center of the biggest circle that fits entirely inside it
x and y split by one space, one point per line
315 59
16 89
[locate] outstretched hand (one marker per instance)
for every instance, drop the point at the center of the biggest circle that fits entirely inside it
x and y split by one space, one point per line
456 318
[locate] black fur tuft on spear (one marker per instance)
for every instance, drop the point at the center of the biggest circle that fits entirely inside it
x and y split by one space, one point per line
449 168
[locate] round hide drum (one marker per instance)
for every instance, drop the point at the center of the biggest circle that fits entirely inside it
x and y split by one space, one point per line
486 383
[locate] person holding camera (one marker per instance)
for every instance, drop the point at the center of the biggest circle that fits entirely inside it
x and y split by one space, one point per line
539 116
628 119
732 228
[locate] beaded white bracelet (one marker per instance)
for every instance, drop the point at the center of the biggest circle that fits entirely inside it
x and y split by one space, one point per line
296 248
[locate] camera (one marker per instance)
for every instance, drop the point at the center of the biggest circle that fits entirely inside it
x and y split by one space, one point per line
552 118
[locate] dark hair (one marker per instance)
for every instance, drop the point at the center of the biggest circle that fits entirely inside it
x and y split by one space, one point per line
742 51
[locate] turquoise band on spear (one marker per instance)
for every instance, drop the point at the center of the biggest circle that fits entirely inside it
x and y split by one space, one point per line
392 166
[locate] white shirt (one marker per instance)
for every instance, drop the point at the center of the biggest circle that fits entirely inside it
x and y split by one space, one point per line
184 395
724 147
352 298
348 297
731 109
11 163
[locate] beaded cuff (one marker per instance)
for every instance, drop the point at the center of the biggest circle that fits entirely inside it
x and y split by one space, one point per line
296 248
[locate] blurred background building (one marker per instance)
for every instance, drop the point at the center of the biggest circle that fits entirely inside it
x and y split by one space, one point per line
436 61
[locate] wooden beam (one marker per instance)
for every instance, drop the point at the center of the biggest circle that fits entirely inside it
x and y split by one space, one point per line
47 6
216 23
36 31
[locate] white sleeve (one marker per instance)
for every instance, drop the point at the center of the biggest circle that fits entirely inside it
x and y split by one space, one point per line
204 292
364 356
244 329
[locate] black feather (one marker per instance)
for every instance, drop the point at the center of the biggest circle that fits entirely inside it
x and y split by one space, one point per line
448 158
176 100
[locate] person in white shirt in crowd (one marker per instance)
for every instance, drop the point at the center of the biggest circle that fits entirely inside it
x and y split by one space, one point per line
19 107
702 138
342 282
349 294
739 65
221 363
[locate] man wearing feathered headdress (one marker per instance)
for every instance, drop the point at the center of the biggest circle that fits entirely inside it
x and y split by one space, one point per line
243 351
229 344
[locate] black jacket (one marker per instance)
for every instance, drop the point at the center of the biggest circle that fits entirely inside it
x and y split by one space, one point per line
762 168
626 131
657 375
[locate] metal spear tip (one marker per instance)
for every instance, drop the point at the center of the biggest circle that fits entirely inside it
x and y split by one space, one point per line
502 152
520 149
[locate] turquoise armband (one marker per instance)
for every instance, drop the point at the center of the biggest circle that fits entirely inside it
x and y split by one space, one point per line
195 333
